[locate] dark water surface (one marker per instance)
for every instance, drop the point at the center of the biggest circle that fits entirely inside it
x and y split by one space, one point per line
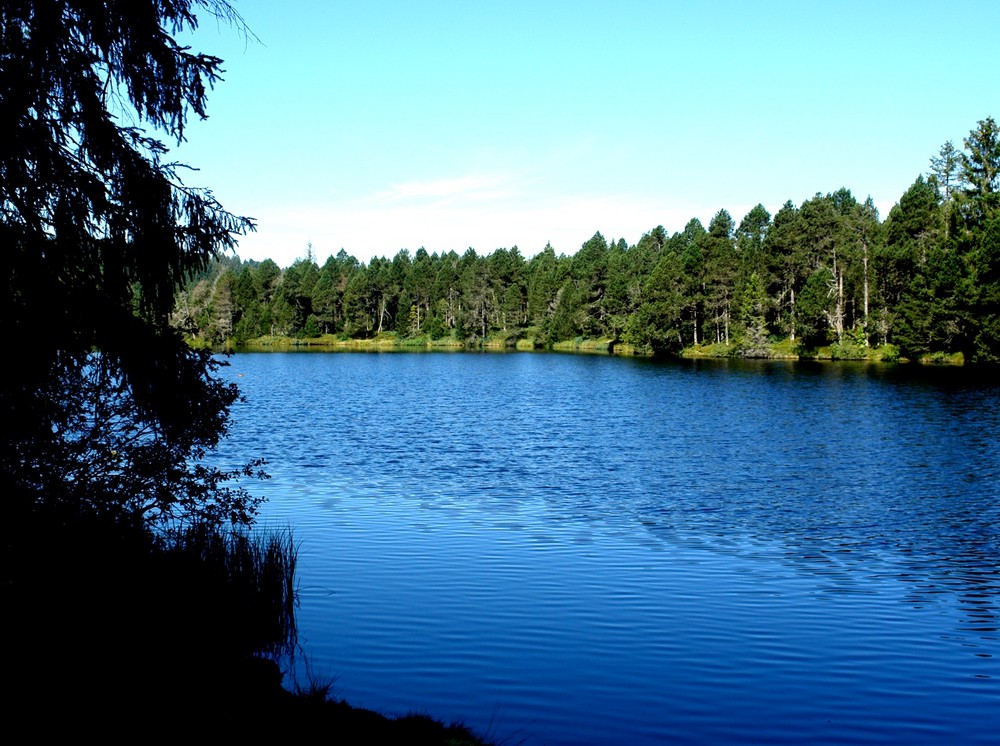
565 549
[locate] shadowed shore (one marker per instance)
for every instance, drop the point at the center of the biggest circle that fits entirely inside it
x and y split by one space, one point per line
110 634
241 699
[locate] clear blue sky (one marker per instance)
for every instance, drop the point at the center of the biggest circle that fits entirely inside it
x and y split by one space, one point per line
378 125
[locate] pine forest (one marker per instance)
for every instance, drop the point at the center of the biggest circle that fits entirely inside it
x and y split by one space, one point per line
828 277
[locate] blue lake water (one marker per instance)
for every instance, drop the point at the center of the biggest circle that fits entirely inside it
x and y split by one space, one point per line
564 549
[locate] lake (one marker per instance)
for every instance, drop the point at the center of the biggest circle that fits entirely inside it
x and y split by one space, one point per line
569 549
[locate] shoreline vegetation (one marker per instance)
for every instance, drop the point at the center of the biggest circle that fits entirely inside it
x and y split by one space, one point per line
391 342
828 279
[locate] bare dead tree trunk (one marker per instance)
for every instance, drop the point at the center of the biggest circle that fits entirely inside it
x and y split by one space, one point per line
791 326
864 262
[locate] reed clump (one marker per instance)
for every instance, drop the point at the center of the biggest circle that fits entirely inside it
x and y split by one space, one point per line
242 580
108 619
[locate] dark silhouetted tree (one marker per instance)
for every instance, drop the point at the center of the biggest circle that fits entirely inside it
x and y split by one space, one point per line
99 231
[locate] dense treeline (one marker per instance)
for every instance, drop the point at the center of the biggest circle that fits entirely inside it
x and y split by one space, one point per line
828 272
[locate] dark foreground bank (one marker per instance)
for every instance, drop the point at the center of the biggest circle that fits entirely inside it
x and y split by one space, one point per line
111 634
241 699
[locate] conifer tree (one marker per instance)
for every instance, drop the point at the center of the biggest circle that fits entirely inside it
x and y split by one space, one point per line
99 230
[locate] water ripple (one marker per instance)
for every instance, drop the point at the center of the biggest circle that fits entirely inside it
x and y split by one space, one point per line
588 549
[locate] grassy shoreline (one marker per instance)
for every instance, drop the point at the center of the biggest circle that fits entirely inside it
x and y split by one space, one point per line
391 342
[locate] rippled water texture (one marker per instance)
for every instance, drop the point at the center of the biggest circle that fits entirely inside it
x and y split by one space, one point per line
566 549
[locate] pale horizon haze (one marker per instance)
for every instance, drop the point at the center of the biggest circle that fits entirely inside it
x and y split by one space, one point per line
379 126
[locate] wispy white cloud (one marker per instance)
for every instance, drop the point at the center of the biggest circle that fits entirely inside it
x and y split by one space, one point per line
485 213
472 187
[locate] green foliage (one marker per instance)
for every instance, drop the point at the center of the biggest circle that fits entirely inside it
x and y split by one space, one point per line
311 328
813 307
753 306
981 173
849 350
785 348
566 321
930 314
986 303
889 353
943 358
826 272
945 168
656 324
